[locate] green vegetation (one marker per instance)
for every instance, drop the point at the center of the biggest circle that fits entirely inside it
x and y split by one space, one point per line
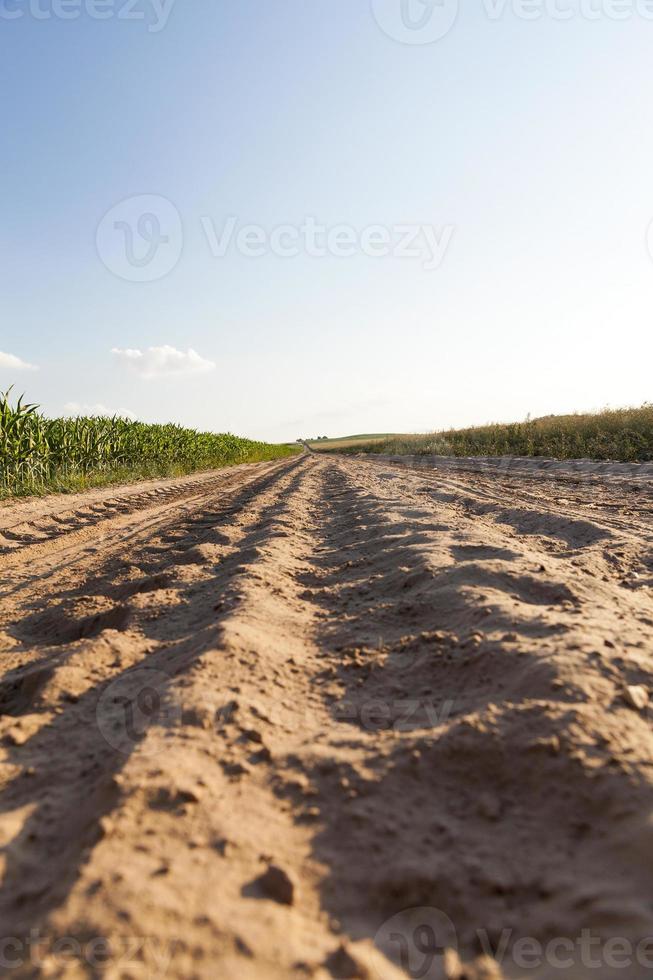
625 435
347 442
38 454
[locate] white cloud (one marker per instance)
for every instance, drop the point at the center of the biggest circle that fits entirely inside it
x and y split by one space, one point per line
157 362
71 409
11 361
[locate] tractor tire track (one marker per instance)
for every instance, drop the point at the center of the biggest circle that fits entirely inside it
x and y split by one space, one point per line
245 730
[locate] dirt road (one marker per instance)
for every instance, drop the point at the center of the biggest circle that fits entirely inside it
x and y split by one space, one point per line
328 718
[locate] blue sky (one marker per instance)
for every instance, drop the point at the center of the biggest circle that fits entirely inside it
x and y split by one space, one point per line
520 147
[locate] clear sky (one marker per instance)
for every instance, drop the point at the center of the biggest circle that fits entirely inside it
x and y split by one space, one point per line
511 157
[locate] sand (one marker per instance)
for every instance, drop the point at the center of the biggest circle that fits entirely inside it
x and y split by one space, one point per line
329 717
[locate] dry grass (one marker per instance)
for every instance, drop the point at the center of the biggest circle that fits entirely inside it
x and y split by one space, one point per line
624 435
350 442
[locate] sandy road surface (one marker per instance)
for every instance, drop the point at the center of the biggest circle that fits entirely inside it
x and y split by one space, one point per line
250 720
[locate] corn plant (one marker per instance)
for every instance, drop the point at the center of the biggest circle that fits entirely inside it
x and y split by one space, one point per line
37 453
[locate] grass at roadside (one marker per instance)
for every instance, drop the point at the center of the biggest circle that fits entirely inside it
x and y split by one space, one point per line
349 442
624 435
41 455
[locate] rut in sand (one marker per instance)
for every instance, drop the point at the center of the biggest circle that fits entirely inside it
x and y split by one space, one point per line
251 719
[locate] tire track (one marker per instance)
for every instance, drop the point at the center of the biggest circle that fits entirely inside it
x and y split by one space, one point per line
251 727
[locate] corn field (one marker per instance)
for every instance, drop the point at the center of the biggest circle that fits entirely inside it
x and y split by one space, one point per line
37 453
